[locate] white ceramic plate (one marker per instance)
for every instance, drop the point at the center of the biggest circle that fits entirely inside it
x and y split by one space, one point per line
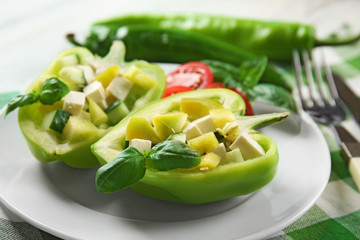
63 201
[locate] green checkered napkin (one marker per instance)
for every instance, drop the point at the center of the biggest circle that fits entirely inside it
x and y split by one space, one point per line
336 214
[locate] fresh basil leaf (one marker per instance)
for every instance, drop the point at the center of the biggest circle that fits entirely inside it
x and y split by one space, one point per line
251 71
126 169
59 121
224 66
273 94
21 100
53 90
172 154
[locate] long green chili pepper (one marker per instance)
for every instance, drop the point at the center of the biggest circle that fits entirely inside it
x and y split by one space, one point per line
172 45
274 39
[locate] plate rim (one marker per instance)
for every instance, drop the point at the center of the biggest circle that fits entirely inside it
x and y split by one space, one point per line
260 234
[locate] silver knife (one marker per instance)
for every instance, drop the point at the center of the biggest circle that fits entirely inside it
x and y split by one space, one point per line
351 152
348 96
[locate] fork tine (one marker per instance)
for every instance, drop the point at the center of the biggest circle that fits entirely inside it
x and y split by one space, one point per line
309 78
320 82
299 78
330 80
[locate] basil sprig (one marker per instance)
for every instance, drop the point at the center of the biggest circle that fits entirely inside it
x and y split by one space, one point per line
51 91
125 170
251 71
172 154
129 166
21 100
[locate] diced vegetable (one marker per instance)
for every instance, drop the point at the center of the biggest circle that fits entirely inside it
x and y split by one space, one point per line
78 128
167 124
208 161
97 115
59 120
139 77
198 107
204 143
139 127
180 136
221 116
232 156
108 75
73 77
117 111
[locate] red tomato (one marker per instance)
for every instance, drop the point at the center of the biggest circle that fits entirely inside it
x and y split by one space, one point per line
215 85
195 75
249 111
175 89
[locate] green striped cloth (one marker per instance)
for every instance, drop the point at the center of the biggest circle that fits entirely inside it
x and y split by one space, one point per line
336 214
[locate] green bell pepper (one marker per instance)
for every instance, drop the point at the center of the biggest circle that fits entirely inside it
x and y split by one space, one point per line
274 39
190 187
50 146
156 44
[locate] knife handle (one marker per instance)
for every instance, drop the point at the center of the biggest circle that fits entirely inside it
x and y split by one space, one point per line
351 153
354 169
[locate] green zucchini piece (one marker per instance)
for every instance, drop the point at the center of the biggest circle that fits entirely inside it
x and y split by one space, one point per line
59 120
117 111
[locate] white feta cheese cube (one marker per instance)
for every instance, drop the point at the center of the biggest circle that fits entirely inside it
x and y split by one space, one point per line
140 144
233 155
249 148
220 151
205 124
88 72
119 87
74 102
192 131
96 92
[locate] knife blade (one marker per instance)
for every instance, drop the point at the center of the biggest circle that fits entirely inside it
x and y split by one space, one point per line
348 96
351 152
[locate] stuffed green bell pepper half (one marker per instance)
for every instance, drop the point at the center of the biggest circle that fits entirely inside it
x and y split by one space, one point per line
78 98
193 147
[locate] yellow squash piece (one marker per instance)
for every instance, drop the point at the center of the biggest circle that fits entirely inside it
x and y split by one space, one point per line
97 115
204 143
167 124
108 75
139 127
198 107
221 116
78 128
209 161
139 77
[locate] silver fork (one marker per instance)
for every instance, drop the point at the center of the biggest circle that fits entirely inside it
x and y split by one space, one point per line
323 105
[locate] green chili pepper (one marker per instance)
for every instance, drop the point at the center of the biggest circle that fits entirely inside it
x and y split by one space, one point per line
172 45
50 146
274 39
195 187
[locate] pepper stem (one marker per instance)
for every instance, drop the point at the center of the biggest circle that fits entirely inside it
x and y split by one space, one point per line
71 38
336 42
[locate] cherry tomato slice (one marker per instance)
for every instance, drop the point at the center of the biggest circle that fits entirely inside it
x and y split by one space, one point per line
195 75
249 111
215 85
175 89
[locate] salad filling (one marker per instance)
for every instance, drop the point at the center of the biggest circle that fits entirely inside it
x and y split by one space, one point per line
177 147
79 98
